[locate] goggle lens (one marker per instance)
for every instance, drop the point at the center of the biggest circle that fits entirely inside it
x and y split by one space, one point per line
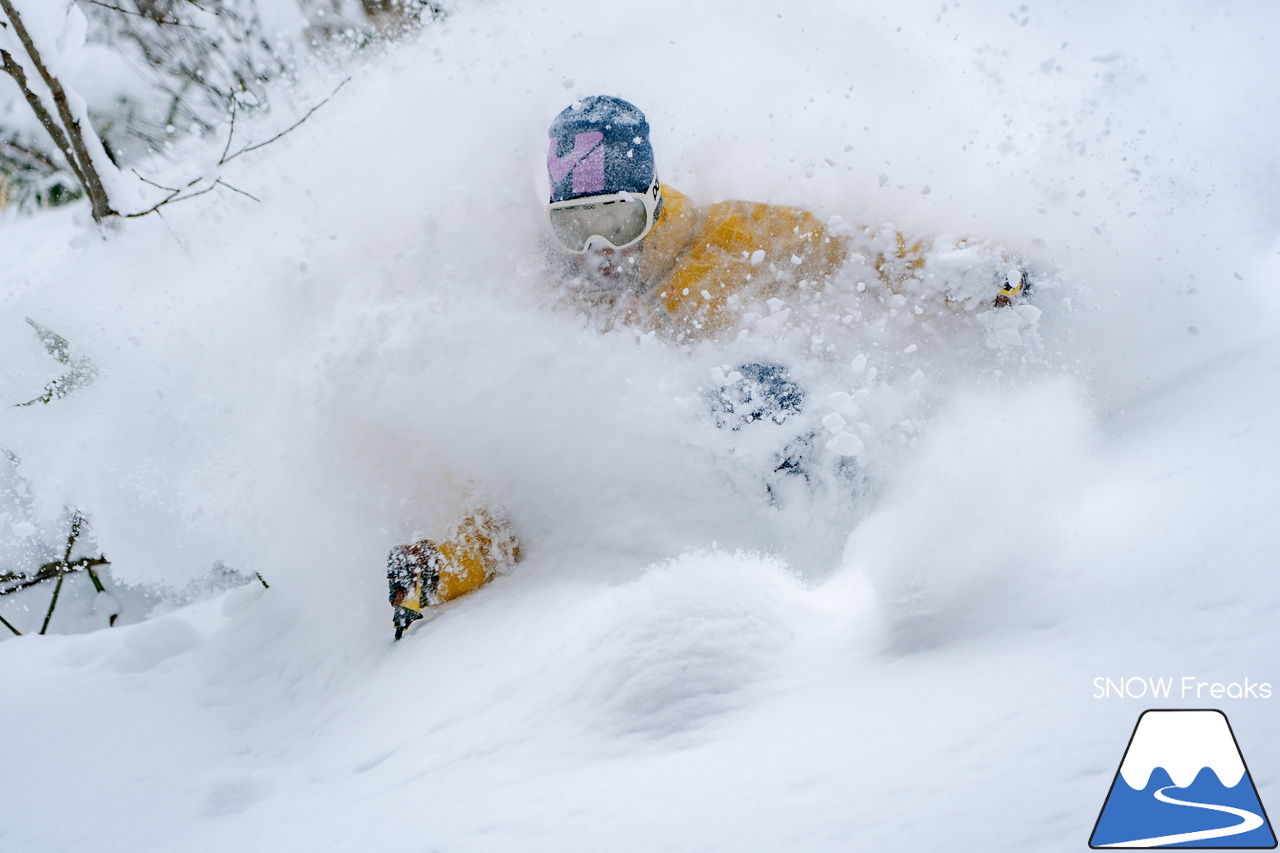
620 221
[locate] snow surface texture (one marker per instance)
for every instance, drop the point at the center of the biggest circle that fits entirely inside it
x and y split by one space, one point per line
900 657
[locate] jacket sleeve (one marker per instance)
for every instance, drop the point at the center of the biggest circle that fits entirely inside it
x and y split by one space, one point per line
481 546
741 255
966 273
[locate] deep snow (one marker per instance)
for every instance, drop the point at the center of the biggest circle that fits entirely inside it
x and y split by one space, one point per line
905 662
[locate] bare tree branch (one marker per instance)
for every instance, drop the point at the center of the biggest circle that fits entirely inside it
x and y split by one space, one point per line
230 133
70 138
282 133
14 70
33 154
154 184
92 181
173 198
235 190
49 571
140 14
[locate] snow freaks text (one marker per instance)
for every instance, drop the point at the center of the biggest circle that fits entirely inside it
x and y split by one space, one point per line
1186 687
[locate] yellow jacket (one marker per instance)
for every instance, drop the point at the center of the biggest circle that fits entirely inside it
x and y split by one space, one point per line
703 268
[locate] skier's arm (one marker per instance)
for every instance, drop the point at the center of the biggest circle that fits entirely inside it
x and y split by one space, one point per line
431 571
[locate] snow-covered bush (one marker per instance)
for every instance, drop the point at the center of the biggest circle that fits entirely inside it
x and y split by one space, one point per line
152 71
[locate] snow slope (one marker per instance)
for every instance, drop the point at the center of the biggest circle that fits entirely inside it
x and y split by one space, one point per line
285 387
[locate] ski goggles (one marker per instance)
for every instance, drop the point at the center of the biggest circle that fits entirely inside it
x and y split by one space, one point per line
620 219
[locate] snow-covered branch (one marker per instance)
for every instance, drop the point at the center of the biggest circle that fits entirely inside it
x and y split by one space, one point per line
71 132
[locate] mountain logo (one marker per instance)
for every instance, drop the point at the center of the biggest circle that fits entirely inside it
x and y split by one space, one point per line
1183 783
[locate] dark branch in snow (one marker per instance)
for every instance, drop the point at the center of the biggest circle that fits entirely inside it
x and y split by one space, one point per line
123 11
33 154
87 172
49 571
174 197
63 566
176 194
14 70
284 132
235 190
146 180
230 133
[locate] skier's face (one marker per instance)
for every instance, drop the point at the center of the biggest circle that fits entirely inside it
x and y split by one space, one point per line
611 269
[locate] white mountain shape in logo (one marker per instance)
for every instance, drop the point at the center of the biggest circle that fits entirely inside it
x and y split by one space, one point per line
1183 743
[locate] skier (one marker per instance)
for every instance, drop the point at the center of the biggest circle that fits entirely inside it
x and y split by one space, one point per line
639 253
647 255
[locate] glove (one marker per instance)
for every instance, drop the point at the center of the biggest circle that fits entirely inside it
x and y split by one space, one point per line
1016 285
412 580
429 572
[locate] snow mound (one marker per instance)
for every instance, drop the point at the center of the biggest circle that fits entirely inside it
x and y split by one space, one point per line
680 643
969 521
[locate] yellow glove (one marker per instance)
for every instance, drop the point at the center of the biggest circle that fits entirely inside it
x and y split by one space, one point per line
1016 284
429 572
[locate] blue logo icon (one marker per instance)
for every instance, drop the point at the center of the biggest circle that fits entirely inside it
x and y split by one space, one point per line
1183 783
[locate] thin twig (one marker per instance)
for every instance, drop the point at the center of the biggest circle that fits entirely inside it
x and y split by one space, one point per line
230 133
77 524
173 199
65 565
53 602
43 575
10 627
33 153
97 581
235 190
141 15
173 234
287 130
153 183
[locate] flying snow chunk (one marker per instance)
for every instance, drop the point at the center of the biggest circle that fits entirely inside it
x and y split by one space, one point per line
843 403
845 444
834 422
